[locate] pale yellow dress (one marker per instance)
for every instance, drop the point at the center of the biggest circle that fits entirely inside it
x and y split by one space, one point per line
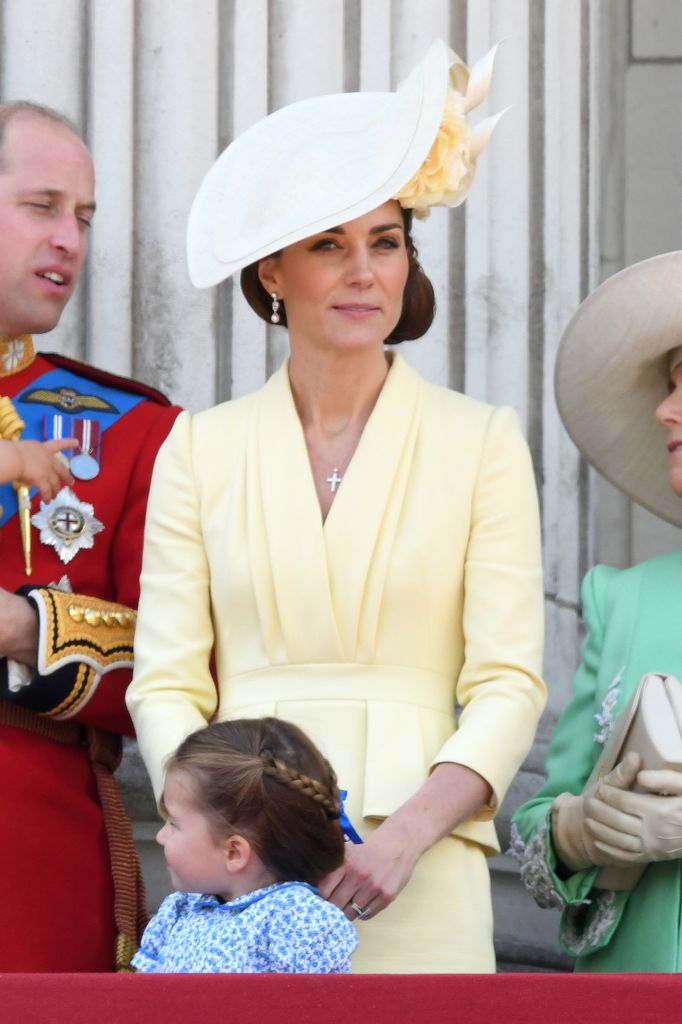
422 590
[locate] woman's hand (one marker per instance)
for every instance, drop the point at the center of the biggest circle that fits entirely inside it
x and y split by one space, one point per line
374 873
575 818
639 828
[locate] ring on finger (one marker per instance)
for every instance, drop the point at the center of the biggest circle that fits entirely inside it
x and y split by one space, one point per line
364 913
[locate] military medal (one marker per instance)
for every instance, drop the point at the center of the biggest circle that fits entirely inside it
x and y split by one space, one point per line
85 463
67 524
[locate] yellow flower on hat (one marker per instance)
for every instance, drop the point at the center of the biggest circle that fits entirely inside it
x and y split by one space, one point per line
445 177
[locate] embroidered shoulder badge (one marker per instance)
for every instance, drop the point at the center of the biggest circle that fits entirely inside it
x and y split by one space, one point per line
67 399
15 354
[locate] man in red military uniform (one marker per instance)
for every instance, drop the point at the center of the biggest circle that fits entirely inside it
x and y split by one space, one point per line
70 891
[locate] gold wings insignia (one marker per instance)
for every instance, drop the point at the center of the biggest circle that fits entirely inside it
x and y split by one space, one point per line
67 400
42 396
94 402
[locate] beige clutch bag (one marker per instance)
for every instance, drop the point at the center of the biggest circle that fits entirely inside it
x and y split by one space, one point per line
651 725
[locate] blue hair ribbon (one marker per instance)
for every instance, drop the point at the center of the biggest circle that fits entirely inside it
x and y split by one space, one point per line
345 822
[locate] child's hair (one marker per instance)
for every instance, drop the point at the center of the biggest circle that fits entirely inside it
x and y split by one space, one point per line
264 779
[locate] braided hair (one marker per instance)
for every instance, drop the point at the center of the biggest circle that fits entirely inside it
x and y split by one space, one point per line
264 779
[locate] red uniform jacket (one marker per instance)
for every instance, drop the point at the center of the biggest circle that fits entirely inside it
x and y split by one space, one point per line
55 869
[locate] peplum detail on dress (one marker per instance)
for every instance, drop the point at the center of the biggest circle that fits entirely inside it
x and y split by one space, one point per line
388 701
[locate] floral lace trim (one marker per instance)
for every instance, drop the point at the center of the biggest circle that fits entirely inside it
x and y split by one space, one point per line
585 926
606 717
535 873
517 847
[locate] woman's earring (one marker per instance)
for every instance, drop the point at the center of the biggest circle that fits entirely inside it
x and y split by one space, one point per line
275 306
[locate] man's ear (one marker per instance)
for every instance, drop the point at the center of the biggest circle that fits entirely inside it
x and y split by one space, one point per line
269 275
237 852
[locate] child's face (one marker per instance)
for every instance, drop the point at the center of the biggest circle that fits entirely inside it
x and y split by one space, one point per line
195 857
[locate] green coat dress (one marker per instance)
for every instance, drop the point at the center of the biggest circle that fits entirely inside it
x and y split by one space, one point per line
634 621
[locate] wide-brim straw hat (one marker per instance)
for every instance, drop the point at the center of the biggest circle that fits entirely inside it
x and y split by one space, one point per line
321 162
613 370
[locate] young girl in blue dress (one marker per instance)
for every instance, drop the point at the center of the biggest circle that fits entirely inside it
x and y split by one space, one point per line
251 826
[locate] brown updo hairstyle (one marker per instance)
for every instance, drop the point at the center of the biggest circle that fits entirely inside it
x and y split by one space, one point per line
265 780
419 301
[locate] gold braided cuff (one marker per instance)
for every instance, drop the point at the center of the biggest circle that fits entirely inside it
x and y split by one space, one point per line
82 630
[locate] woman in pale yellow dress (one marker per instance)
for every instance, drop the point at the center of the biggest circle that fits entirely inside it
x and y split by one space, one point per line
359 549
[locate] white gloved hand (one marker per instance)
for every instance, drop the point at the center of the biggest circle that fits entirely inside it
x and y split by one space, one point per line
638 828
573 839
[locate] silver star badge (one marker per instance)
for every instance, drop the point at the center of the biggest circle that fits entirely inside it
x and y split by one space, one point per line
67 524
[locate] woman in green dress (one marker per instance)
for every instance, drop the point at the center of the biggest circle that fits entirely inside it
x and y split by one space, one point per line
619 391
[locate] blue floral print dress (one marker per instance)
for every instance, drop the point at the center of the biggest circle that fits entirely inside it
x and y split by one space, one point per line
285 928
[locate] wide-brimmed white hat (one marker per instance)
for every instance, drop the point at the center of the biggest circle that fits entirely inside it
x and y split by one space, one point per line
323 161
613 370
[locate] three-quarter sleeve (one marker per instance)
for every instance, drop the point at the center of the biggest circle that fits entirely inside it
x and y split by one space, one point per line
172 693
500 689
